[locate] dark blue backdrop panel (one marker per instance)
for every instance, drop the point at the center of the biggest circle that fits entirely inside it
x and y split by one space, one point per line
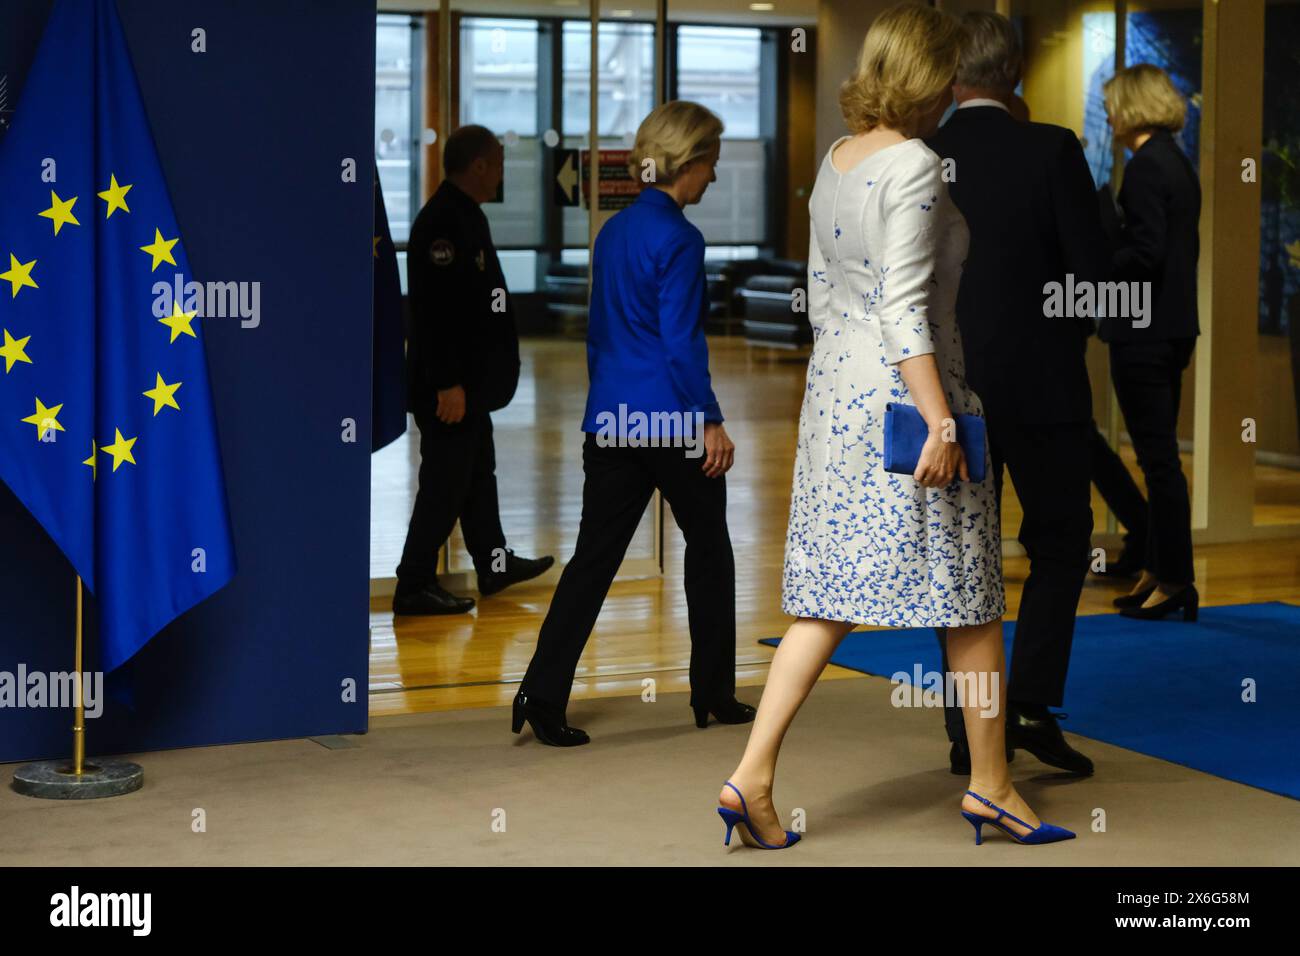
252 135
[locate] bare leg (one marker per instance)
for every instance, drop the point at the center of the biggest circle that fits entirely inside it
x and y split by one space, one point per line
800 658
1163 592
979 650
1145 580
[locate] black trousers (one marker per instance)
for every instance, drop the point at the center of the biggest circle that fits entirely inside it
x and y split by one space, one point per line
458 482
1148 379
1120 491
1050 466
618 484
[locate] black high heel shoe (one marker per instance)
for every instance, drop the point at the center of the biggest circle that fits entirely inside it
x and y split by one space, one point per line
1185 599
1133 600
728 712
547 722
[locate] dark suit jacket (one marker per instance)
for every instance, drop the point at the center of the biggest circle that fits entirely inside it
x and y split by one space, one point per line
1030 204
1160 244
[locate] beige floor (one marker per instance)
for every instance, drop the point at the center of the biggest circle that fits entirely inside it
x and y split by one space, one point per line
871 779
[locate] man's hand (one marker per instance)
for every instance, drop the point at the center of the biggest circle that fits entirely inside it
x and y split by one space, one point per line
451 405
719 452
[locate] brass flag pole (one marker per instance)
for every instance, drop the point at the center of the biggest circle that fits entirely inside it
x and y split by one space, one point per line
59 780
79 714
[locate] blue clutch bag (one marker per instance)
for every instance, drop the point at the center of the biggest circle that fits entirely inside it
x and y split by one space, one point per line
906 432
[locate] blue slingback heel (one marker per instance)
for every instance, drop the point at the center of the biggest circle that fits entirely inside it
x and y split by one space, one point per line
1043 833
747 832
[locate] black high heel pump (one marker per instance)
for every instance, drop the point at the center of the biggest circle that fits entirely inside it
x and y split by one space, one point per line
1133 600
728 712
1185 599
548 723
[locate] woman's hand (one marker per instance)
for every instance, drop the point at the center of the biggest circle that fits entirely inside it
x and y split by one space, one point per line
719 452
941 458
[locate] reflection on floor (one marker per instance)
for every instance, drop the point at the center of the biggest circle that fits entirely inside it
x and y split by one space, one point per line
475 660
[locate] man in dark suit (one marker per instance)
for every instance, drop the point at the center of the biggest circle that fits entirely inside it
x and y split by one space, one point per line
1028 199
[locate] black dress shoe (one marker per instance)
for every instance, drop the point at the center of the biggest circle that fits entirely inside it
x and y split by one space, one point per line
1185 599
517 569
430 599
728 712
1035 728
1127 565
959 757
547 722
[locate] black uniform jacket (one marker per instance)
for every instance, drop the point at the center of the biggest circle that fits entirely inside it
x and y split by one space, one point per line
462 323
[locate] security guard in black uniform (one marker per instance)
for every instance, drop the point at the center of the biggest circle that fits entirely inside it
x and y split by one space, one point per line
463 364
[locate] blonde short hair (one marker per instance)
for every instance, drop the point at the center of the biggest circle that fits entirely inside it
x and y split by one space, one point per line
908 59
1143 97
671 136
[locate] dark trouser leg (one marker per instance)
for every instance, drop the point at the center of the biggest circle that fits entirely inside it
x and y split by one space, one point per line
1050 467
447 456
1148 383
616 488
699 505
1119 490
480 516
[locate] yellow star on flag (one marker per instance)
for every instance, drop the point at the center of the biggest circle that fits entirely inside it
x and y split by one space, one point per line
163 395
12 351
45 419
376 249
92 461
60 212
19 274
120 449
179 322
115 196
160 249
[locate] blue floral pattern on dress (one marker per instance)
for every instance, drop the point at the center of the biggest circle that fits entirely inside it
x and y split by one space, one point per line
865 545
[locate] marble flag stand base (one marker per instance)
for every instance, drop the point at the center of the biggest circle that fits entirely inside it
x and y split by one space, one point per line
57 780
78 779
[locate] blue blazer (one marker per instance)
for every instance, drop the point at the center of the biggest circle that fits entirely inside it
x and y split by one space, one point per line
645 331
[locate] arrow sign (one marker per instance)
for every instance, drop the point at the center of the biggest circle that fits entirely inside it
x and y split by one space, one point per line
566 177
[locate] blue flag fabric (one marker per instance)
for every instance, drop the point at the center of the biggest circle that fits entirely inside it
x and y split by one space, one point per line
107 433
388 386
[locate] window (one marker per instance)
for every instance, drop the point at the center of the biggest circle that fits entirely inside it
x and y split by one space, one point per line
721 68
397 39
503 64
498 89
627 77
498 75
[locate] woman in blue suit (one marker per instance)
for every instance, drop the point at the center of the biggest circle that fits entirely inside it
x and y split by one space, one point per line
652 421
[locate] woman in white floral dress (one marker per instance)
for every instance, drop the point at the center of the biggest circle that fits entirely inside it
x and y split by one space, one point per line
866 546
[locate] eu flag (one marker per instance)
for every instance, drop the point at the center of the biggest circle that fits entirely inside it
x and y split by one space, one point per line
107 432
